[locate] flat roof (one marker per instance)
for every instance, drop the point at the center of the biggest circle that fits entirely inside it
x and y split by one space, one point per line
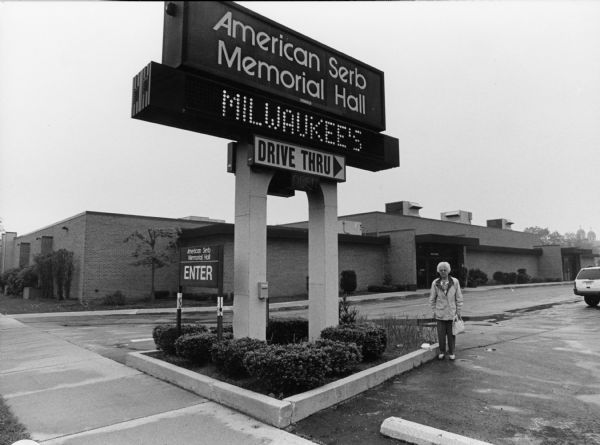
278 232
434 238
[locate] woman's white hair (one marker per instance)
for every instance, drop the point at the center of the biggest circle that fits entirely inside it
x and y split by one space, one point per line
445 265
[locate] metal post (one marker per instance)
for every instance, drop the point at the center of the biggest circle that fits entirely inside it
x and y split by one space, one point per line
219 318
220 295
179 304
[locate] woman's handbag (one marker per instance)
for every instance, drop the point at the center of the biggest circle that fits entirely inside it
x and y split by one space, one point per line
458 325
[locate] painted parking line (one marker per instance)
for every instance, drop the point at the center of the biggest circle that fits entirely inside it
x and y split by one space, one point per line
137 340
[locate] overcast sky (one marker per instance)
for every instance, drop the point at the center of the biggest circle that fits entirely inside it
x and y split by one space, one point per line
496 106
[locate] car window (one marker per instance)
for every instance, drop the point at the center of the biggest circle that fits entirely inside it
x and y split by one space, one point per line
588 274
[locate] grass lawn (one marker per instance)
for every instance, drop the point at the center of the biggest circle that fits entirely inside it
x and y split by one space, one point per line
10 428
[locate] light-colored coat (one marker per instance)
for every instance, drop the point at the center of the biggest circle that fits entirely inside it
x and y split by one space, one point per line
444 305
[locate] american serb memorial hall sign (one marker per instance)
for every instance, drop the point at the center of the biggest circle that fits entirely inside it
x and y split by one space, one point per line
232 73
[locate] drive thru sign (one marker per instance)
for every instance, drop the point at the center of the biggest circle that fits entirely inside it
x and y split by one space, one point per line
282 155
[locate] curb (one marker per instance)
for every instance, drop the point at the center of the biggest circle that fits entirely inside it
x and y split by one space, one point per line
275 307
418 434
279 413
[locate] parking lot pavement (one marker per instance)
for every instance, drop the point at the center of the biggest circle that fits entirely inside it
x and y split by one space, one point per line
530 378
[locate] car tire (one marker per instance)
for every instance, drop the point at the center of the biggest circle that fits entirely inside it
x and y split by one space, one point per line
592 301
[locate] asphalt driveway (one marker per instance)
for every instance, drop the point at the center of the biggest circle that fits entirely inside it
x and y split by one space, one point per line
527 377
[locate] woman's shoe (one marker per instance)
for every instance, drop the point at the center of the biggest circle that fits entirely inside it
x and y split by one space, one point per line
441 357
451 356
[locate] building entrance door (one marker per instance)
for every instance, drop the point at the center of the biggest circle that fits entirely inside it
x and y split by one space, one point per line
430 255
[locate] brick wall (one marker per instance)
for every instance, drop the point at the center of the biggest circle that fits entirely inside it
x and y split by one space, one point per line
551 262
402 257
490 262
72 239
287 264
108 260
368 261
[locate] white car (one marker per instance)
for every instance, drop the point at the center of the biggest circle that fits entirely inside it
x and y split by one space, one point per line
587 284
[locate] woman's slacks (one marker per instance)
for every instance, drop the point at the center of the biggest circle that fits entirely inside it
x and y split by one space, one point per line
444 330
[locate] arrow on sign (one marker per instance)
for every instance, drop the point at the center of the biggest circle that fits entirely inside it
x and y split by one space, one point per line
337 167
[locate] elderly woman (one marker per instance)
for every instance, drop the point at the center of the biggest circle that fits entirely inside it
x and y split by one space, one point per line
446 301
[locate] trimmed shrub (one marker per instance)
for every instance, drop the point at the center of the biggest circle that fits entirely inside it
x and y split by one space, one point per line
114 299
286 369
498 277
371 339
196 348
344 357
285 331
228 329
348 281
228 355
523 277
164 335
477 278
383 288
162 294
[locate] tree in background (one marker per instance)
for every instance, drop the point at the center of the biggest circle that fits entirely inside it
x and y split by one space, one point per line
546 237
151 252
62 270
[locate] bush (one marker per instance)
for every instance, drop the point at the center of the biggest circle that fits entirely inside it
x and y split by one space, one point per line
505 278
348 281
286 369
196 347
387 279
344 357
284 331
383 288
347 314
476 278
114 299
162 294
226 330
28 276
13 280
498 277
522 277
165 335
371 339
228 355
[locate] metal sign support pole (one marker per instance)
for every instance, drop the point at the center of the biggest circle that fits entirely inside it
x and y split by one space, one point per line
179 304
220 297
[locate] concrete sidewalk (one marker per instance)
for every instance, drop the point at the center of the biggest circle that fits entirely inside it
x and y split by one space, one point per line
64 394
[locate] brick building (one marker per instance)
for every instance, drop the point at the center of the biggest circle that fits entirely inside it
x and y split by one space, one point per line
397 243
102 261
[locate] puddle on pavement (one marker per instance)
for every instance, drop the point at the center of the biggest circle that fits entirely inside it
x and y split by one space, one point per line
490 320
510 409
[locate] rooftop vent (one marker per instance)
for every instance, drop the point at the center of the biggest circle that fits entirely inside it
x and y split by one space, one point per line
350 227
405 208
459 216
501 223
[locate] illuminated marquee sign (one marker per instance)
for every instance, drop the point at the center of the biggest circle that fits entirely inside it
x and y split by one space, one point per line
233 43
285 156
173 97
201 266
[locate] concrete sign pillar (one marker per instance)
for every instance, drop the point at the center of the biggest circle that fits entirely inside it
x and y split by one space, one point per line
322 259
250 247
